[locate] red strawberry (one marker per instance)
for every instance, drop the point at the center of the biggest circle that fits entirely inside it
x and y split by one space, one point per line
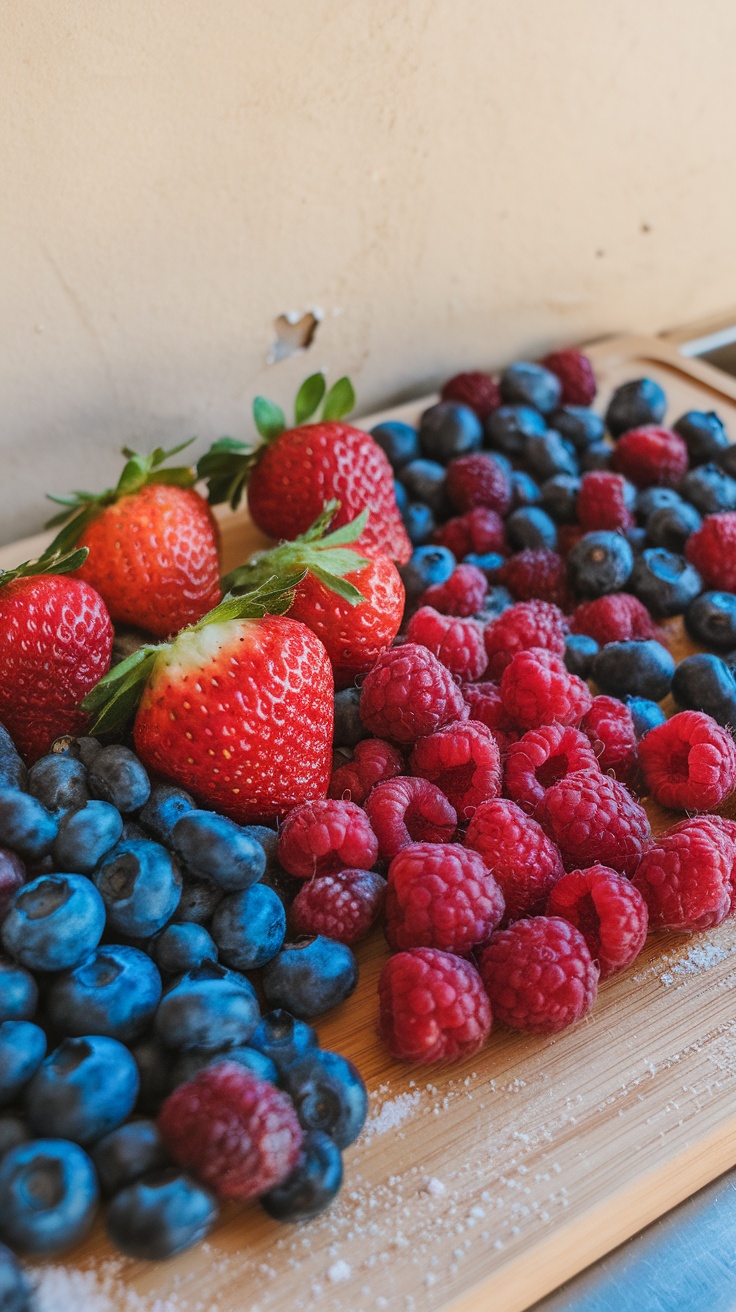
237 709
153 545
294 471
55 643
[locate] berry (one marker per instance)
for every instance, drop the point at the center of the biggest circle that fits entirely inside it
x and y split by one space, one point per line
474 389
342 906
703 434
616 617
510 427
18 992
605 501
198 901
425 482
313 1183
689 762
477 532
684 877
320 838
536 573
127 1153
48 1196
463 760
712 550
433 1006
13 773
159 1216
710 489
15 1293
462 594
520 855
596 458
349 729
539 975
84 1089
249 927
600 563
164 807
496 600
22 1049
609 725
664 582
210 1008
560 496
711 619
524 383
442 896
671 526
282 1038
218 849
579 653
575 374
541 758
583 427
645 714
399 442
537 688
528 624
478 480
651 499
419 521
85 836
373 762
525 491
407 810
549 455
13 1130
651 455
54 922
640 401
608 911
26 827
189 1064
117 776
457 643
408 694
428 567
449 429
140 886
12 877
309 977
59 783
643 669
531 527
593 818
328 1094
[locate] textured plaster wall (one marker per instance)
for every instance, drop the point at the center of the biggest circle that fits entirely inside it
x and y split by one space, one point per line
450 181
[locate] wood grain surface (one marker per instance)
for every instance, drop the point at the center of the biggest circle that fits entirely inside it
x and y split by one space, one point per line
488 1183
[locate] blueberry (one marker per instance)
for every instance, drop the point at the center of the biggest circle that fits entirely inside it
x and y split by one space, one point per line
525 491
349 728
645 713
559 498
26 827
127 1153
180 948
328 1094
54 922
190 1063
18 992
531 527
650 499
283 1038
428 566
310 976
549 455
22 1049
48 1195
117 776
641 401
600 563
509 428
400 442
727 460
140 885
711 619
489 564
13 1130
671 527
636 538
83 1090
210 1008
312 1185
703 434
664 581
249 927
419 522
401 495
13 773
59 783
85 836
269 841
579 425
114 992
162 810
88 749
197 902
496 600
216 848
710 489
579 653
15 1293
596 456
704 682
133 833
643 669
12 877
154 1072
524 383
159 1216
449 429
424 480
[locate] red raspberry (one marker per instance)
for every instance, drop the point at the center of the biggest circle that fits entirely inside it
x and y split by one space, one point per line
594 819
477 480
685 876
527 624
473 389
457 643
610 727
373 761
651 456
433 1006
484 700
464 761
608 911
727 831
575 372
712 550
342 906
537 688
407 810
518 853
441 895
568 535
689 762
238 1133
478 531
541 758
619 617
319 838
604 501
536 572
462 594
408 694
539 975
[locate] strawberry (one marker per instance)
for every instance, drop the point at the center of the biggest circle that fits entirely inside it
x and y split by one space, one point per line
153 544
55 643
293 472
237 709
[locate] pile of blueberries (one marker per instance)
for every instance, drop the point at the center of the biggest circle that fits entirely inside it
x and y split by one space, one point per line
128 917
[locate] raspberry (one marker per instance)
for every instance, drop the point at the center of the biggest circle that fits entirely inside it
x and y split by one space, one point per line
610 727
537 688
462 594
478 531
408 694
594 819
727 831
605 501
685 876
457 643
484 700
527 624
373 761
407 810
477 480
541 758
473 389
712 550
608 911
343 906
238 1133
539 975
518 853
689 762
651 456
618 617
536 572
441 895
433 1006
568 536
464 761
575 372
319 838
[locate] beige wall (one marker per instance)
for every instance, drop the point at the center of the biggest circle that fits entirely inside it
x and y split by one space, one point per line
451 181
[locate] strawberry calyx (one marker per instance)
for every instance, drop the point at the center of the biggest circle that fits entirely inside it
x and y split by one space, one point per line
52 561
227 466
325 555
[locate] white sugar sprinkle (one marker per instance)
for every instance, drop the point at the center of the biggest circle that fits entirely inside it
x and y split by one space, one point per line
700 957
339 1270
391 1114
434 1187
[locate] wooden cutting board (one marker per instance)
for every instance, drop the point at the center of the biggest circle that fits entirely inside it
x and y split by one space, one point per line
486 1184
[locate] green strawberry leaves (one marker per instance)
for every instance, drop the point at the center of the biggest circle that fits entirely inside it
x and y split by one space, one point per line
268 418
309 397
51 562
226 469
340 400
325 555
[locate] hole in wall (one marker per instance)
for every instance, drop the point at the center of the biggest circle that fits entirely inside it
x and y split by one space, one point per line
295 332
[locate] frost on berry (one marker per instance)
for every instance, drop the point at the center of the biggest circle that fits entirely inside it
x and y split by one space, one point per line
342 906
609 912
474 389
651 456
522 859
537 572
441 895
478 480
539 975
407 810
433 1006
603 501
319 838
685 876
464 761
457 643
541 758
689 762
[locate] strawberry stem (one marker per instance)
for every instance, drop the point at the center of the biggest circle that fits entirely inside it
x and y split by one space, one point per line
318 552
51 562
